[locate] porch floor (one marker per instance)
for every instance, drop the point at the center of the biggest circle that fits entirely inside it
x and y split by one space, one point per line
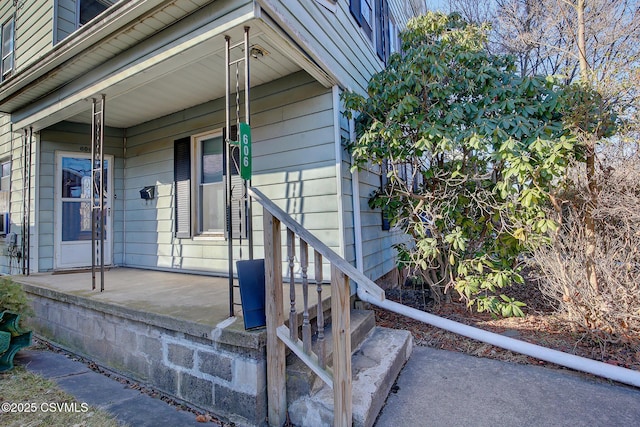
189 298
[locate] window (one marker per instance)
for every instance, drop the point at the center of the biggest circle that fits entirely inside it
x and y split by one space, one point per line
394 37
8 31
366 11
362 11
200 180
385 29
5 176
210 168
5 187
71 15
89 9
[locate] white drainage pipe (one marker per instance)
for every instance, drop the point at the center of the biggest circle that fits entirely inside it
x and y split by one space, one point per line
616 373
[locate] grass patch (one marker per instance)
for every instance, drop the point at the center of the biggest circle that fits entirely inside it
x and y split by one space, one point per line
39 402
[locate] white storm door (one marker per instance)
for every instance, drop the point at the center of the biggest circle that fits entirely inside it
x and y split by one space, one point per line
73 210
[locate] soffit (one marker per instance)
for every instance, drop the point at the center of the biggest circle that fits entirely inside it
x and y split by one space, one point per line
124 26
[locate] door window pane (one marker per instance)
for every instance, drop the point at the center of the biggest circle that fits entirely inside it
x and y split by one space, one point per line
76 177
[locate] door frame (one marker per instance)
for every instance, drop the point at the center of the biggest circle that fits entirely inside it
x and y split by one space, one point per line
57 203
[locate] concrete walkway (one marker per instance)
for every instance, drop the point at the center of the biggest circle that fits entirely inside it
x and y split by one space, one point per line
443 388
130 407
436 388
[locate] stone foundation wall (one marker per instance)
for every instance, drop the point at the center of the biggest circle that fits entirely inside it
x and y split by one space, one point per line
222 370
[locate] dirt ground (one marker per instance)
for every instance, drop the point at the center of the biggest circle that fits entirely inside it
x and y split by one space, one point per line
540 326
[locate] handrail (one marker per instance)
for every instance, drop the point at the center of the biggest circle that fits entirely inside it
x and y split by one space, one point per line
279 335
364 283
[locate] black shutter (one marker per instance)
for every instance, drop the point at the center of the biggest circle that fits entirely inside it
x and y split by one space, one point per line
182 186
384 181
382 29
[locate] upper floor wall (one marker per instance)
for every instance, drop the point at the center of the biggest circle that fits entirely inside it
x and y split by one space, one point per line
349 39
31 28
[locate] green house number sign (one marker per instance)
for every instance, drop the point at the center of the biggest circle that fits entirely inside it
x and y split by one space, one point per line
245 151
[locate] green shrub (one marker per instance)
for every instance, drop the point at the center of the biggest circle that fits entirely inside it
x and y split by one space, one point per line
14 298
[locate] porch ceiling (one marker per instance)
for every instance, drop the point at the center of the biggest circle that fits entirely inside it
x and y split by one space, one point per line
182 82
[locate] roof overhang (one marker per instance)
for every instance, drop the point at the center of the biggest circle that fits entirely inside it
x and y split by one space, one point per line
151 70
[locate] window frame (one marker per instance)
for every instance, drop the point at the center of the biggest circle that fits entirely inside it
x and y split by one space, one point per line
196 180
355 7
11 54
4 177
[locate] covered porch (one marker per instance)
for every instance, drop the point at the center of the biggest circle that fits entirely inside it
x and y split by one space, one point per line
169 330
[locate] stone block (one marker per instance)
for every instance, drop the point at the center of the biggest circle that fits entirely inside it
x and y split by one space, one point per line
195 390
249 376
164 378
126 338
180 355
215 364
250 407
150 347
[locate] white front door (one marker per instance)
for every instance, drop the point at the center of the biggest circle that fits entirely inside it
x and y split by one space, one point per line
73 210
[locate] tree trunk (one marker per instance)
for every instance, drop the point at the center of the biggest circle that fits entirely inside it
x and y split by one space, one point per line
590 142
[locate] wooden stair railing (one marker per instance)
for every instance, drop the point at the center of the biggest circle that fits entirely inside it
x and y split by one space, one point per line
279 335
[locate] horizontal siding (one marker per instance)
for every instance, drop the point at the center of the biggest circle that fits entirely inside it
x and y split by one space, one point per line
5 154
11 149
34 31
334 38
377 251
293 162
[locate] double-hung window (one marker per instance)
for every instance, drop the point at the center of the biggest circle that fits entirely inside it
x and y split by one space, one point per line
374 18
200 182
362 11
8 32
209 177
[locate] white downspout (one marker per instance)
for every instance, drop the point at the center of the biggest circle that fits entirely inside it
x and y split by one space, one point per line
335 91
616 373
355 198
34 250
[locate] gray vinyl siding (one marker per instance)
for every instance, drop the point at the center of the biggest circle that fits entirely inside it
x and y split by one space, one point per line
334 38
293 164
73 137
11 149
34 31
5 154
377 244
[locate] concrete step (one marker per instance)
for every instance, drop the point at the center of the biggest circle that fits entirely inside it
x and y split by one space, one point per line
376 363
301 381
